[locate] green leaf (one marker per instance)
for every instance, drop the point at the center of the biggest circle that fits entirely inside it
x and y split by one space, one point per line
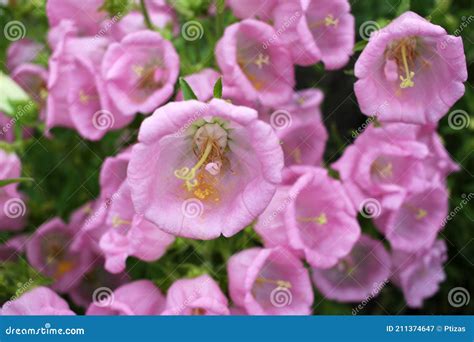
11 92
5 182
403 7
188 93
360 45
218 88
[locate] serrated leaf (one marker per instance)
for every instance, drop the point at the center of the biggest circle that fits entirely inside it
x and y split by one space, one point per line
218 88
188 93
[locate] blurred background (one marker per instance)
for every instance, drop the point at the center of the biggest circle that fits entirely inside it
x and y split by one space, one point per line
60 190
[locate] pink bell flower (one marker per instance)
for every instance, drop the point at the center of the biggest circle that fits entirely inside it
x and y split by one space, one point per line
200 170
269 282
410 71
197 296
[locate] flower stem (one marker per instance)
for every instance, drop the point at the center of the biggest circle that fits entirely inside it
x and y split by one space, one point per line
146 15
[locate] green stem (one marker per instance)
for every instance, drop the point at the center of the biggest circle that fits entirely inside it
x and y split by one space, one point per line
146 15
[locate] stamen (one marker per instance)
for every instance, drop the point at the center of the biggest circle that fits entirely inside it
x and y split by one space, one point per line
198 312
63 267
83 97
330 21
407 81
43 93
117 221
321 219
189 175
262 60
88 209
138 70
297 155
420 213
345 266
279 283
384 170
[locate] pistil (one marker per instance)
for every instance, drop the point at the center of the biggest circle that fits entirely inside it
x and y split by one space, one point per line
407 81
117 221
189 175
280 283
321 219
420 213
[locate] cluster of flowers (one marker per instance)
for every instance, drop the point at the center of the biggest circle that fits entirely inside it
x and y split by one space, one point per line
209 167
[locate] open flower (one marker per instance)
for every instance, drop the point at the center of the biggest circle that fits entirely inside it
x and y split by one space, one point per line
269 282
204 169
414 224
316 214
140 72
76 96
298 125
358 276
12 205
49 251
39 301
261 72
316 30
111 225
419 274
96 277
140 297
92 112
387 162
197 296
130 234
410 71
